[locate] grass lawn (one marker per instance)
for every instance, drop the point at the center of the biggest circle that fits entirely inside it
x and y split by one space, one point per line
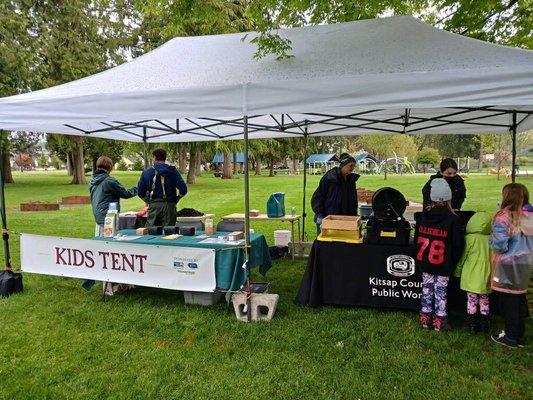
62 342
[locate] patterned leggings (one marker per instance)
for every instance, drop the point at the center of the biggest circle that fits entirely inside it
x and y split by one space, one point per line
434 290
473 299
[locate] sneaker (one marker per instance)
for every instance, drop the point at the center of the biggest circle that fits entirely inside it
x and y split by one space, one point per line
425 321
87 284
441 324
501 338
520 342
107 289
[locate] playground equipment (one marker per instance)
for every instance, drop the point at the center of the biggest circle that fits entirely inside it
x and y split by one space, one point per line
396 164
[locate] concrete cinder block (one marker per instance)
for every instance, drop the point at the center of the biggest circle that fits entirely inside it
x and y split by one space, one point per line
259 302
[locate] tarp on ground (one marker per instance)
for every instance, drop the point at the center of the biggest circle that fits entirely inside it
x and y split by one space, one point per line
394 74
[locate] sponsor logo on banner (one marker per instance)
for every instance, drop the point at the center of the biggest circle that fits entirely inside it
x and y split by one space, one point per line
399 283
400 265
192 265
178 264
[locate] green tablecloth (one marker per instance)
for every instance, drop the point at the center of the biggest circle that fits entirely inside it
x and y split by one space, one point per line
228 258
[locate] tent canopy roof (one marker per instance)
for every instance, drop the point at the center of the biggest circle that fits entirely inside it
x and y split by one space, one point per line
322 158
236 157
393 74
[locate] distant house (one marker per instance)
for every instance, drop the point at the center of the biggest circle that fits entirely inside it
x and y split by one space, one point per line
127 162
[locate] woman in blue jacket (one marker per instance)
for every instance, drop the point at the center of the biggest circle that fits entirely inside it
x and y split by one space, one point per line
336 193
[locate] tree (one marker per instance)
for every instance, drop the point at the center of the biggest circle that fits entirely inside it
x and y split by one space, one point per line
57 42
428 156
403 146
385 146
24 161
95 147
163 20
25 142
498 21
457 145
60 147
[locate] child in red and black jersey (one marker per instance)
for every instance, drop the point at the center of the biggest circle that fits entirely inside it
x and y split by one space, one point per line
439 245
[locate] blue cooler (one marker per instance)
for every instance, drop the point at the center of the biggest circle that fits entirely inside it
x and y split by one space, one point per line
276 205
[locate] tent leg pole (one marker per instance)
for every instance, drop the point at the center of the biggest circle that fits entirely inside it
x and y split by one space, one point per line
305 186
5 234
247 220
145 153
513 133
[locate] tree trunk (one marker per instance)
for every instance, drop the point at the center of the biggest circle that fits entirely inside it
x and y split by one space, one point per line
199 159
191 174
480 161
295 167
182 158
235 167
258 167
271 166
78 173
227 172
69 164
6 167
94 164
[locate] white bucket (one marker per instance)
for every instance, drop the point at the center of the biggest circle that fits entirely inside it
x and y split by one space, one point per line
282 238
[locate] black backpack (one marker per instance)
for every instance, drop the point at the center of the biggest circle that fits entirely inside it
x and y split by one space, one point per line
10 282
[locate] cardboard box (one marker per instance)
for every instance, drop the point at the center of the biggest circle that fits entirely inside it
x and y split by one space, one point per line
342 222
234 236
341 226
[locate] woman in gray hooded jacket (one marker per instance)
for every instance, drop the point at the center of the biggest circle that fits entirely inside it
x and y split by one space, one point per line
105 189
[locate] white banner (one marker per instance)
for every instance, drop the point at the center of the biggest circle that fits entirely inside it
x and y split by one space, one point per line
168 267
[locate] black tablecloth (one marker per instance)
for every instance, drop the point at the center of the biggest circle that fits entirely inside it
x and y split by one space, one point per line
363 275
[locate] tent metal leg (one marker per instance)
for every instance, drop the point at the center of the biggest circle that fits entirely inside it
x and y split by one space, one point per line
513 134
145 153
5 232
247 219
302 238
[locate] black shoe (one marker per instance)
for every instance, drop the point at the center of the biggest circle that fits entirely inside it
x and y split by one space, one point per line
474 325
440 324
501 338
520 342
484 324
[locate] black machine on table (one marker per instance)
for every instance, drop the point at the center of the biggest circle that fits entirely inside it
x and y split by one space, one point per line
387 224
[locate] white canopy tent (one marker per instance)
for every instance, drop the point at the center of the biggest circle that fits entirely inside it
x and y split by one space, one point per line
391 75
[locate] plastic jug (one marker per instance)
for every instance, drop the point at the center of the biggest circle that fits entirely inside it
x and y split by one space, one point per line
276 205
111 220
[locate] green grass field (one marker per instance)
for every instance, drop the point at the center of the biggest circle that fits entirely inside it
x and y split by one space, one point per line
62 342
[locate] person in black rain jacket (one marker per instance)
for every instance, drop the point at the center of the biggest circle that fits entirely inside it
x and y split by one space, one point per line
336 193
448 171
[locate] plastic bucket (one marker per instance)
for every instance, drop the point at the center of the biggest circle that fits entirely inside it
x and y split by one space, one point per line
282 238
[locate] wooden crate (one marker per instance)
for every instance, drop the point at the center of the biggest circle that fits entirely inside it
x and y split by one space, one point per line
76 200
341 223
39 206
